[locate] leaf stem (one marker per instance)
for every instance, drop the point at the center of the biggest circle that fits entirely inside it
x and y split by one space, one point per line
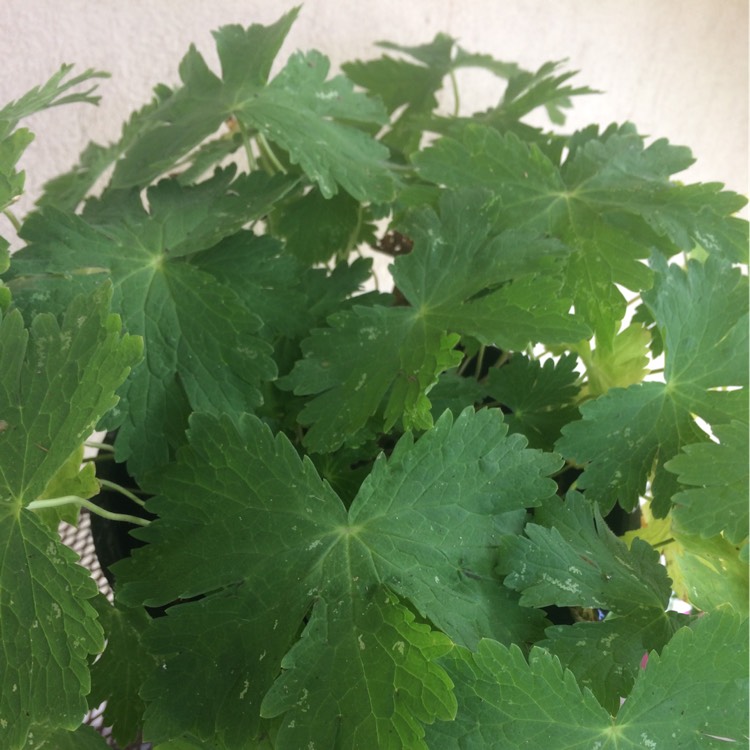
268 152
122 490
251 162
100 446
11 217
75 500
456 97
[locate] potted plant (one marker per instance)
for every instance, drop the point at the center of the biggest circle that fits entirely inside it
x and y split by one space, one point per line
374 518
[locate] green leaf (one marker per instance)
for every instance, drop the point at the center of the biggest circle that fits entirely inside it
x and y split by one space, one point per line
301 111
195 110
719 474
692 696
190 322
540 397
571 558
457 281
606 656
66 191
379 646
12 146
56 381
611 202
304 113
275 541
119 673
625 435
315 228
84 738
51 93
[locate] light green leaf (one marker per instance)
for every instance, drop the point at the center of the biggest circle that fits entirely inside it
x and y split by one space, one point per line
625 435
275 541
56 381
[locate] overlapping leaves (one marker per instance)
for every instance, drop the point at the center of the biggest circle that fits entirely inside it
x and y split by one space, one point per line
457 281
627 434
693 695
300 110
190 322
249 526
570 558
56 381
611 201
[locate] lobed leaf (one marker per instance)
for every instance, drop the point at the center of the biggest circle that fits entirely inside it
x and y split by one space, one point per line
56 381
252 530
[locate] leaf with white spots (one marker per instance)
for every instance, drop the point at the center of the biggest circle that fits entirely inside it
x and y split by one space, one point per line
695 695
249 527
627 435
569 557
57 379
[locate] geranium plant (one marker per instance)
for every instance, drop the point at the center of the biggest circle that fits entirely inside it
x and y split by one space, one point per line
449 511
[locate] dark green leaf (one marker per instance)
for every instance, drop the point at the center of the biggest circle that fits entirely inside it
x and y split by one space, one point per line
571 558
276 541
540 396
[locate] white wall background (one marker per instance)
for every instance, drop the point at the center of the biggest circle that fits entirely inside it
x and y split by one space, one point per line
677 68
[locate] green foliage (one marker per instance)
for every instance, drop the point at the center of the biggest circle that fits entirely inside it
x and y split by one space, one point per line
373 519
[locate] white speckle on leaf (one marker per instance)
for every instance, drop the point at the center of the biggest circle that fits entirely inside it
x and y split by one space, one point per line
647 741
291 724
437 580
361 642
361 382
56 610
314 544
4 723
275 624
575 571
399 646
262 656
568 584
245 686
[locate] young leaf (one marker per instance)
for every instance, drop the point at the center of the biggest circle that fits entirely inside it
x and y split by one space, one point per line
56 381
626 434
694 695
246 524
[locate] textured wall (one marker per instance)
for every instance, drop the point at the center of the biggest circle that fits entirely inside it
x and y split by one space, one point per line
677 68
